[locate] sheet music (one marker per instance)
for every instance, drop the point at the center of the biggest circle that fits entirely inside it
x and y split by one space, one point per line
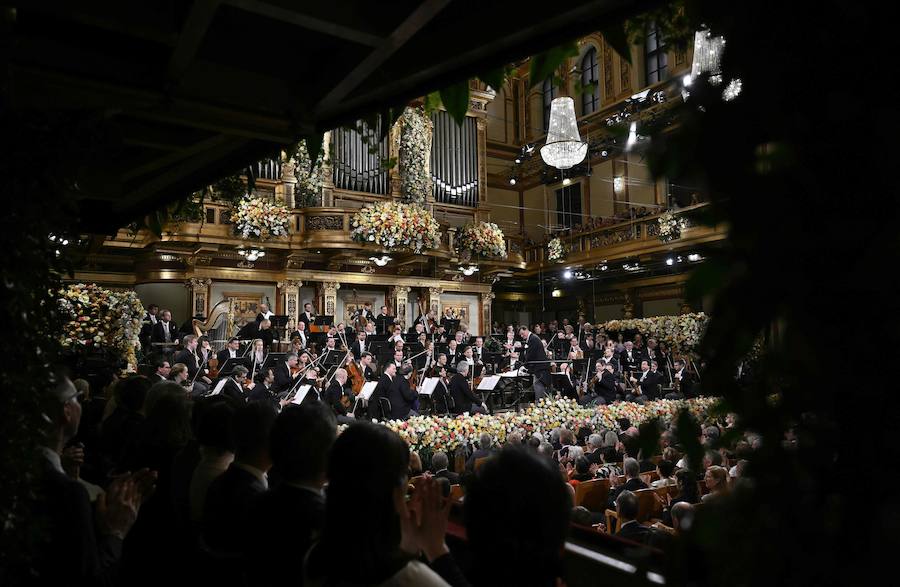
514 373
367 389
489 383
428 385
219 386
301 394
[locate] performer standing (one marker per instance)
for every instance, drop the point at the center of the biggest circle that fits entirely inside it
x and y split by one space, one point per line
536 362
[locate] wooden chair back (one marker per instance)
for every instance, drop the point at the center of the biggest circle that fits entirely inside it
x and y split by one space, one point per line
456 492
480 462
592 494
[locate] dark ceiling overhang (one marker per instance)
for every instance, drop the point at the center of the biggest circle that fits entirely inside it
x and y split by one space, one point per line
193 91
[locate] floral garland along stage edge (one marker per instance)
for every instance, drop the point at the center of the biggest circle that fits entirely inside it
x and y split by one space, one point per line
256 217
678 332
396 226
101 319
670 227
555 251
414 150
433 433
482 239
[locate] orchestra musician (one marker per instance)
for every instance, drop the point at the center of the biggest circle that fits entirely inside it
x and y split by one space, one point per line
285 372
604 389
440 397
164 331
575 351
258 357
382 390
478 350
204 350
397 336
233 384
264 391
683 382
648 382
230 351
453 352
300 333
188 356
440 362
333 395
264 313
629 359
475 366
566 385
384 321
359 346
401 395
308 316
464 399
368 369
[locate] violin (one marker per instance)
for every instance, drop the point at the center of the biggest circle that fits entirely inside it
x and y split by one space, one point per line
356 376
213 364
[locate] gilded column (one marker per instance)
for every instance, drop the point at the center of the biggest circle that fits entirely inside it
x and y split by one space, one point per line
199 290
394 155
290 297
434 300
481 124
327 177
329 298
289 181
400 297
486 317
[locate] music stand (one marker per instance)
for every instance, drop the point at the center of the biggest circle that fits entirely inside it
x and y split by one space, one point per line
563 385
228 366
272 360
323 320
451 325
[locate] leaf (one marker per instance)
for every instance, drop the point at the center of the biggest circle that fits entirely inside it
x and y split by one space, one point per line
456 100
494 78
432 102
543 65
687 431
617 38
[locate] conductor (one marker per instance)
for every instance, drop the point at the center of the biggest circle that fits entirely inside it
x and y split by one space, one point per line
536 362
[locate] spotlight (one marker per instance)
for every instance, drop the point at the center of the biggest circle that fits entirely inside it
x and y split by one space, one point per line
687 80
604 153
529 148
512 181
670 261
567 274
566 181
694 257
518 160
603 267
632 136
618 184
680 258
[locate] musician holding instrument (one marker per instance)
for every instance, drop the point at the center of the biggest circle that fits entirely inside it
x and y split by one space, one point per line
188 356
285 373
300 333
308 316
335 396
233 385
464 398
367 363
360 345
231 350
402 394
384 321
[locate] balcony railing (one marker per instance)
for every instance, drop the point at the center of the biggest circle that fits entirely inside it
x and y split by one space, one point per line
627 236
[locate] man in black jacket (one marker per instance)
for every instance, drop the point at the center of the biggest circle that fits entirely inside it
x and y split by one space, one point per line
308 316
230 351
464 399
225 520
188 356
164 330
383 321
359 345
402 397
440 464
605 390
536 362
633 482
683 380
627 511
382 390
233 384
333 395
282 372
293 511
649 381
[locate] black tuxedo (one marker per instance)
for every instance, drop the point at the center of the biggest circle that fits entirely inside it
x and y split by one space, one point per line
156 378
630 363
687 383
461 392
261 393
382 390
225 518
251 331
402 398
357 351
307 319
565 387
233 389
606 387
190 361
649 386
383 322
536 359
260 317
303 336
283 379
225 354
635 532
332 397
371 374
159 333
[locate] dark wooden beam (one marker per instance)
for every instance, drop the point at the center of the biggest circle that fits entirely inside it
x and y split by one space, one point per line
420 17
172 158
307 22
191 36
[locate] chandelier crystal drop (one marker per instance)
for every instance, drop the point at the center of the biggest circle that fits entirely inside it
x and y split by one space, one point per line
564 148
707 54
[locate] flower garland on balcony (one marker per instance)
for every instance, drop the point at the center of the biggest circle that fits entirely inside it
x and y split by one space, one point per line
429 434
260 218
101 319
681 332
555 251
670 227
414 153
481 239
308 190
396 226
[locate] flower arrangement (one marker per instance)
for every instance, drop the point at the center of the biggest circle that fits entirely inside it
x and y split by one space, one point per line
482 239
414 152
678 332
432 433
101 319
396 226
256 217
555 251
670 227
309 177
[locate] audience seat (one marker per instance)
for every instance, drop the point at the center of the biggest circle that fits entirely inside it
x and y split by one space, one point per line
592 494
456 492
479 462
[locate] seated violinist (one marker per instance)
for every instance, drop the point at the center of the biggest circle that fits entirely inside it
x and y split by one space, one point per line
367 363
285 372
335 396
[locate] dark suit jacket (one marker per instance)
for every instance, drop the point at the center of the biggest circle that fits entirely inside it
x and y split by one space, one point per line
355 349
450 476
478 454
632 364
285 515
283 380
71 552
402 398
158 333
606 387
225 520
383 389
306 320
687 383
630 485
233 389
634 531
224 355
189 359
260 393
649 384
332 397
462 394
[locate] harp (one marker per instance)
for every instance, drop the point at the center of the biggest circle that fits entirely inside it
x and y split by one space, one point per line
218 326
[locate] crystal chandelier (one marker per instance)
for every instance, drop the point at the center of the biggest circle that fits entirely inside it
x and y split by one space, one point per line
251 254
564 147
708 56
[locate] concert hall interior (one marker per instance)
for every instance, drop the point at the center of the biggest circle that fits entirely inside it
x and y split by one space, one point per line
437 293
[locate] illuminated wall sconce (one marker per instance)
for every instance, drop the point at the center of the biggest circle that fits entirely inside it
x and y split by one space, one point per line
619 184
